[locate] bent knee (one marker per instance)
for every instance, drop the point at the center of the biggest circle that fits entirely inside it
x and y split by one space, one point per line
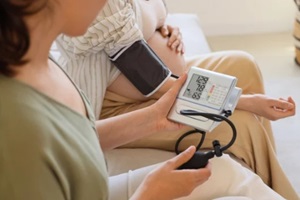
241 60
243 66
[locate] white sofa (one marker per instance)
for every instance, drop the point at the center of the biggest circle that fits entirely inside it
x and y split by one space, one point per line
123 159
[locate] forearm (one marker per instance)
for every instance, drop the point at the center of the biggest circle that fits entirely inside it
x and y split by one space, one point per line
270 108
245 102
131 126
125 128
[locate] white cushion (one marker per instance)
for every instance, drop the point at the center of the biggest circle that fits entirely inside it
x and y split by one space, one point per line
122 160
193 37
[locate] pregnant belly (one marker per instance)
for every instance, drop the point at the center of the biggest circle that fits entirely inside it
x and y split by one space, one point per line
171 58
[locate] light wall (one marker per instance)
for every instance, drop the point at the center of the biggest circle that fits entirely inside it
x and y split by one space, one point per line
225 17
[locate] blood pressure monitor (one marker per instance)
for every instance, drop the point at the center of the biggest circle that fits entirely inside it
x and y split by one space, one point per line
207 92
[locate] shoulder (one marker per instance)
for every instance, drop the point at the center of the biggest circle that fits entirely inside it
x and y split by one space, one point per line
23 113
23 121
117 8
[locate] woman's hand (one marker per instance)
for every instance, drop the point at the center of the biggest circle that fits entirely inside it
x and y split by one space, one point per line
141 122
158 112
175 38
166 182
270 108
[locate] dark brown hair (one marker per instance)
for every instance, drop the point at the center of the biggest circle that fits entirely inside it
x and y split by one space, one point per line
14 33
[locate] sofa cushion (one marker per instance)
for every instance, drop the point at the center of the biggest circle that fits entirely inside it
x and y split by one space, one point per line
122 160
193 37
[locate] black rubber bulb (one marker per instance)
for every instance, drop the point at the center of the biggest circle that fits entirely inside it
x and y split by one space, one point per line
199 160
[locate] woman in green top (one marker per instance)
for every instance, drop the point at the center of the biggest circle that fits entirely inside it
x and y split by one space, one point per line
49 147
49 141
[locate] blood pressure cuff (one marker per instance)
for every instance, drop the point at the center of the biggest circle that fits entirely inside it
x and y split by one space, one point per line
142 67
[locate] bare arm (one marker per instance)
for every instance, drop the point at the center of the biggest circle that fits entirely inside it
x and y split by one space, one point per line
270 108
173 60
128 127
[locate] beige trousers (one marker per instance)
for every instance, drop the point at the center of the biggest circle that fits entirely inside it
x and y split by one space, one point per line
254 144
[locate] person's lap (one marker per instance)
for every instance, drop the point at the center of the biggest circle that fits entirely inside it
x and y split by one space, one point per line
229 179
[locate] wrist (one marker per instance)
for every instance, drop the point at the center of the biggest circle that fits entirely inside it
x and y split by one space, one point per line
142 193
246 102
